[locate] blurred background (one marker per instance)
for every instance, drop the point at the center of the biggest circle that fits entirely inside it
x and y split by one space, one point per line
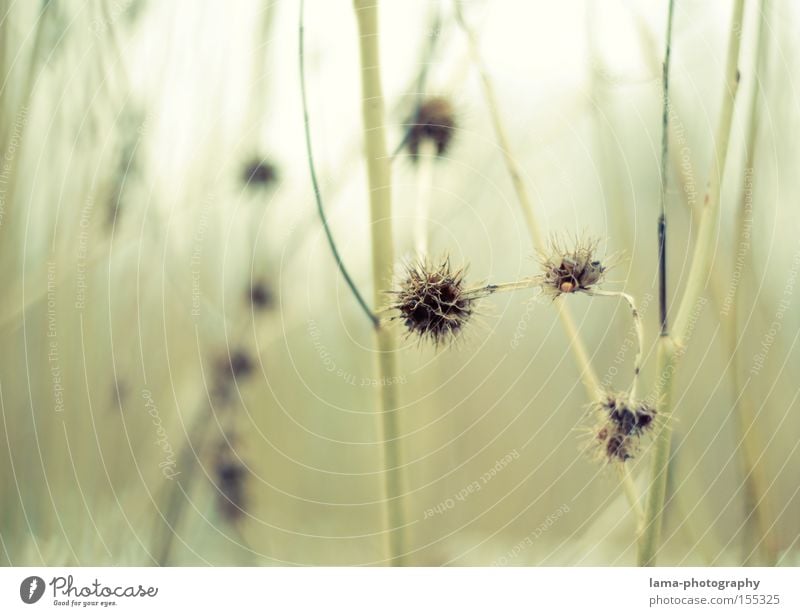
185 377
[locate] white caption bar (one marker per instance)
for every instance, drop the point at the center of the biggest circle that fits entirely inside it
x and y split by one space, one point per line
414 591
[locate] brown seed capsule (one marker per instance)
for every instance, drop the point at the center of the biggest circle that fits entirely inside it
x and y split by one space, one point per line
433 302
433 121
571 270
621 424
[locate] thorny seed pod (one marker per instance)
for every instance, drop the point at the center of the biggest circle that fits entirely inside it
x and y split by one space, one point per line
621 423
571 270
259 173
433 121
231 477
432 301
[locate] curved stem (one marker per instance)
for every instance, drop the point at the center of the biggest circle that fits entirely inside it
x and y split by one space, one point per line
380 197
588 375
317 194
637 324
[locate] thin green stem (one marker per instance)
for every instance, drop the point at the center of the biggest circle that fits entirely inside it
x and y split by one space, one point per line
662 217
698 273
379 177
317 193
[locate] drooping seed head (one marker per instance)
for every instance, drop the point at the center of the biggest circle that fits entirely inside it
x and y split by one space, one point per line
433 302
434 122
620 425
571 269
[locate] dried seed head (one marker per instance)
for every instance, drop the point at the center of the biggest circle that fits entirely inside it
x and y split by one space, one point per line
231 476
433 121
259 173
260 296
237 365
621 423
229 369
570 270
433 302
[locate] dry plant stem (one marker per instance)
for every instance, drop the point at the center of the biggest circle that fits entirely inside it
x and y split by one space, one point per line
588 375
757 528
426 159
631 493
378 171
527 283
698 273
637 325
662 216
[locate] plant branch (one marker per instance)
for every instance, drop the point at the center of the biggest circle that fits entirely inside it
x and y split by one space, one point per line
631 493
425 164
662 217
317 194
758 534
588 375
698 273
379 178
637 325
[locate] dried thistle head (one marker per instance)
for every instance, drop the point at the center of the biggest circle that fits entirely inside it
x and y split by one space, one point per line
433 301
571 269
434 121
259 173
621 424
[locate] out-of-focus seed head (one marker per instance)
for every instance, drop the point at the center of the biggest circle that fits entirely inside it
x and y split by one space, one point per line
259 173
231 479
621 424
237 365
433 302
228 370
260 295
571 269
434 121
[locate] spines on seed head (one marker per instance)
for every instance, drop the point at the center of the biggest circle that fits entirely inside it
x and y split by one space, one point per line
571 269
432 301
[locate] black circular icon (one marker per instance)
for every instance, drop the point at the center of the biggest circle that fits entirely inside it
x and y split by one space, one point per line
31 589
